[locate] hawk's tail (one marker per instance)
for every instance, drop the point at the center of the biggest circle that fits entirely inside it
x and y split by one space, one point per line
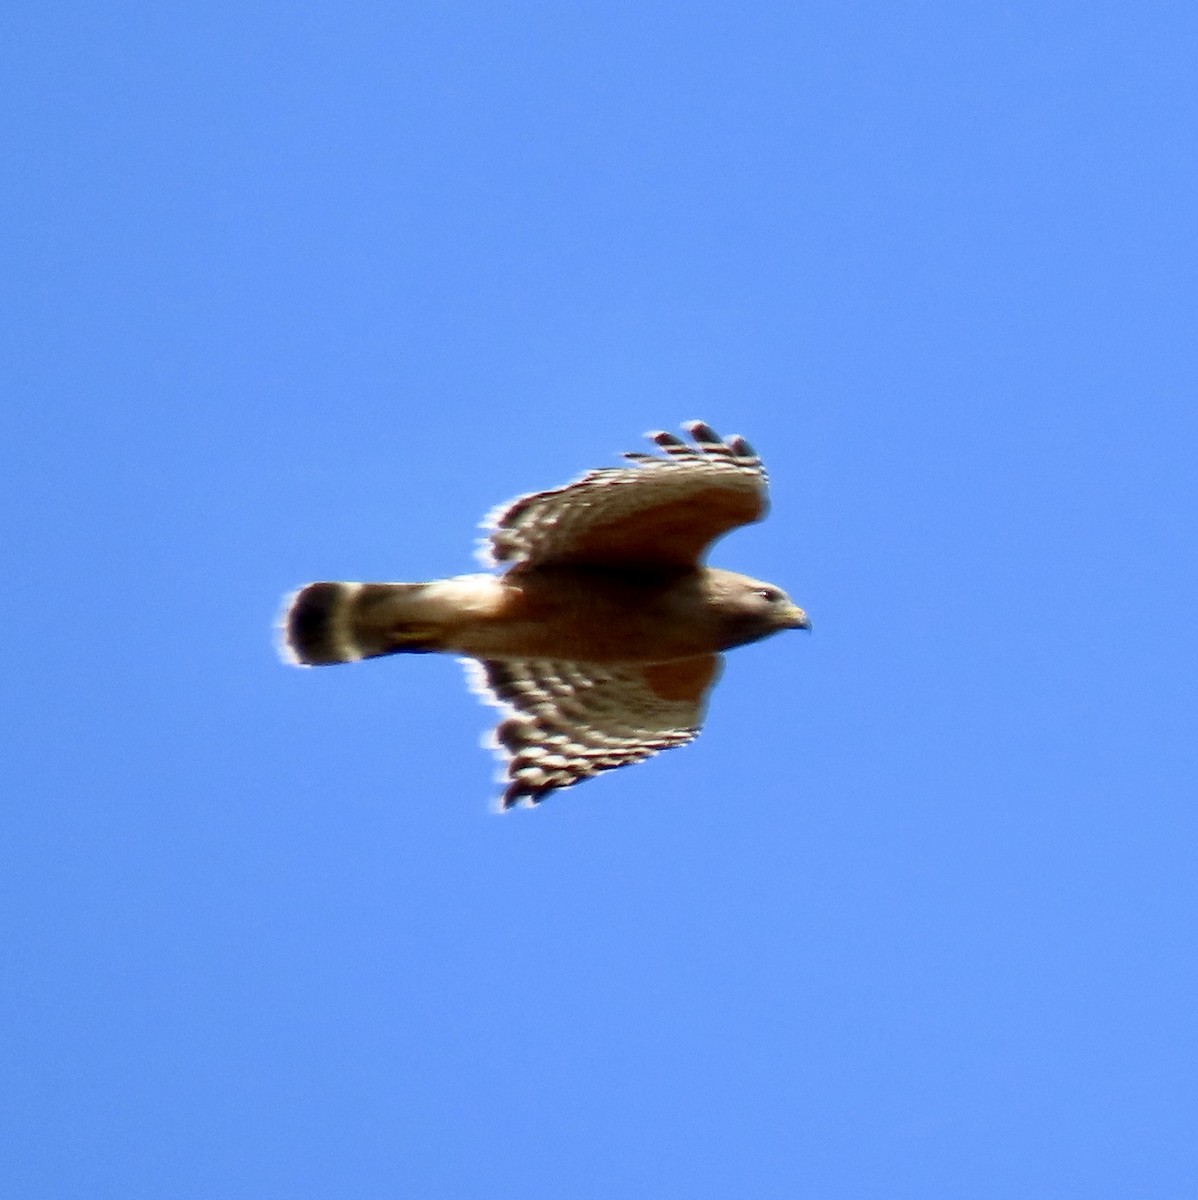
326 623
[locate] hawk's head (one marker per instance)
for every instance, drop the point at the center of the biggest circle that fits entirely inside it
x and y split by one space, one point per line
748 610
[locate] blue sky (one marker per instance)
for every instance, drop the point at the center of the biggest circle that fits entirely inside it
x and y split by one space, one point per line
300 292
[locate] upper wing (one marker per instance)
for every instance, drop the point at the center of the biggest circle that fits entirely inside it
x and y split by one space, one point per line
565 721
662 512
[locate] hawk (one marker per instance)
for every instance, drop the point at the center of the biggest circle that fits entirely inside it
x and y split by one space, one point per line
602 638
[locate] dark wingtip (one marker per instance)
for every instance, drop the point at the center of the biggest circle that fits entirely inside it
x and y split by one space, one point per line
517 794
665 440
703 433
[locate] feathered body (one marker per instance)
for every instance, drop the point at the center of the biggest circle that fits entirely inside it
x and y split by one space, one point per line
602 638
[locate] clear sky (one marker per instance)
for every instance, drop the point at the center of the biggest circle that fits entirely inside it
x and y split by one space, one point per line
300 291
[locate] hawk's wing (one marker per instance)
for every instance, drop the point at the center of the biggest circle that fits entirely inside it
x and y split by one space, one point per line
664 511
566 721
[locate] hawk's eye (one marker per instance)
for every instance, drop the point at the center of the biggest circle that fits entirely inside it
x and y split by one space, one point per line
772 594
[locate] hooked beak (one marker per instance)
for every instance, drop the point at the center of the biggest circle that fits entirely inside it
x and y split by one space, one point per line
797 618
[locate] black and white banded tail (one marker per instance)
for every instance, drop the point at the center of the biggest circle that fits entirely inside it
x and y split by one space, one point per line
325 623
